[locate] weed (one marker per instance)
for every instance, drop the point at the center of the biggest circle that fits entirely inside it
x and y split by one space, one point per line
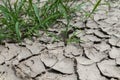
24 18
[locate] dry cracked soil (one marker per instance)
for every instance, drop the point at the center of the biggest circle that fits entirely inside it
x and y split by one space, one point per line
96 58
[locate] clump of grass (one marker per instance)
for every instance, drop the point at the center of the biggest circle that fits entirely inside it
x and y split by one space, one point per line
24 18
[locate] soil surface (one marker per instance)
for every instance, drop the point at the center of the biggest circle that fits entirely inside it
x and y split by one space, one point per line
97 57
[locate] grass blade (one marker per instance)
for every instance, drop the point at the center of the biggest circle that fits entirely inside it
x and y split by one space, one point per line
94 8
36 10
96 5
17 31
2 36
18 5
5 11
50 17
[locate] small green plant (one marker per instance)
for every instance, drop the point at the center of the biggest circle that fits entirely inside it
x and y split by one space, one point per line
24 18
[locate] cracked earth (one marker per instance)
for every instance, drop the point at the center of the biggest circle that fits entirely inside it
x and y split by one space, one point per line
97 57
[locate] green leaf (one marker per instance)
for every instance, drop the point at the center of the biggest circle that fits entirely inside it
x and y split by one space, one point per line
63 10
18 5
2 36
50 17
94 8
96 5
36 10
17 31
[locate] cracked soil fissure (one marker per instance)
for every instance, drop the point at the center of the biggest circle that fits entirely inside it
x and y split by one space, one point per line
97 57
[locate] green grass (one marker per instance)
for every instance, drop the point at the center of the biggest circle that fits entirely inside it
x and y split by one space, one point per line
85 14
25 18
94 8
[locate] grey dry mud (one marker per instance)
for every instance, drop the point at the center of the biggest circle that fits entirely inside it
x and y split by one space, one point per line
96 58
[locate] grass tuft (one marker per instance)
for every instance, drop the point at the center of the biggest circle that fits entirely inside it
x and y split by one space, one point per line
24 18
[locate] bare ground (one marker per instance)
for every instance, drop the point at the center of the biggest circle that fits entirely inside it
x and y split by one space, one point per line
96 58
